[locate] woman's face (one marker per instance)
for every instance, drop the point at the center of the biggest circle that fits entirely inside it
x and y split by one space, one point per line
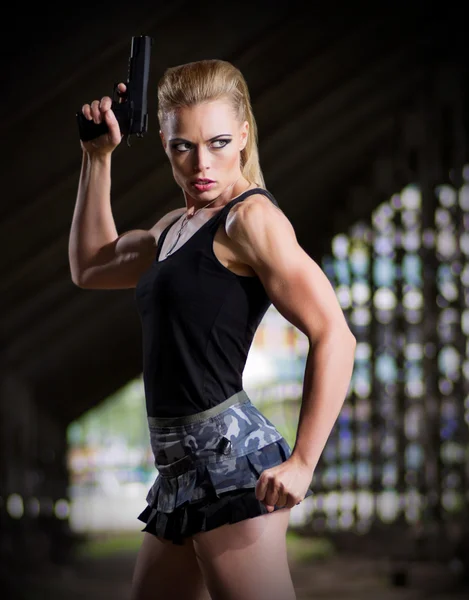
204 142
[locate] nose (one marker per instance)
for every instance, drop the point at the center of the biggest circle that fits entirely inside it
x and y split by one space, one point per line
201 160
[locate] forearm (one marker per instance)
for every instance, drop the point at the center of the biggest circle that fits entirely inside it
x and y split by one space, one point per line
328 372
93 223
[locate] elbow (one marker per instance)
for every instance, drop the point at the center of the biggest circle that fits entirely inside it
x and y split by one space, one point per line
78 280
341 335
77 283
351 344
350 339
75 274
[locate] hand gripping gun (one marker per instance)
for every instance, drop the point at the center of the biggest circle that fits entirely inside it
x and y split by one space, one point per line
129 107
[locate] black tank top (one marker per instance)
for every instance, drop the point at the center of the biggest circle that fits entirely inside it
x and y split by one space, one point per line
198 322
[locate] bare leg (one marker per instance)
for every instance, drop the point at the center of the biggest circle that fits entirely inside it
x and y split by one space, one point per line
247 560
166 571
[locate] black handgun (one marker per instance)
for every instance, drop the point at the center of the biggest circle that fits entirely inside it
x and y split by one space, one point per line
129 107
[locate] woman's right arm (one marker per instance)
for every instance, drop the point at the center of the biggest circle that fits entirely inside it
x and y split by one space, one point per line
100 258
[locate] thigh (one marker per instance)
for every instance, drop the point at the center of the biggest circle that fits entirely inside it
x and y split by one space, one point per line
167 571
247 560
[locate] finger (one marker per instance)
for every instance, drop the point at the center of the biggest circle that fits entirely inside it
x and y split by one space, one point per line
86 110
121 92
113 126
282 501
273 496
105 104
261 488
95 112
285 501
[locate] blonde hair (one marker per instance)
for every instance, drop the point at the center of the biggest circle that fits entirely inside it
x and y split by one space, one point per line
206 80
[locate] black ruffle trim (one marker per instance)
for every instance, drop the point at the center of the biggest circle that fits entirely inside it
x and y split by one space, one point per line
203 515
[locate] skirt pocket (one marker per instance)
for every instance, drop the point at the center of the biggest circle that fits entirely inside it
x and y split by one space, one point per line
167 493
174 485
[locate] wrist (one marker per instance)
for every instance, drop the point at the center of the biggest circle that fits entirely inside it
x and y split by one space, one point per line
305 461
97 157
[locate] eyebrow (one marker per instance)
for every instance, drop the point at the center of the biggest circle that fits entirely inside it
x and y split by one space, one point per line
178 139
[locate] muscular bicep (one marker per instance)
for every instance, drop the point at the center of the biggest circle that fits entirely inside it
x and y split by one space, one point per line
121 263
295 283
301 292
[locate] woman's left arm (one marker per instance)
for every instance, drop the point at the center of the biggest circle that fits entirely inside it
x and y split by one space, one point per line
265 239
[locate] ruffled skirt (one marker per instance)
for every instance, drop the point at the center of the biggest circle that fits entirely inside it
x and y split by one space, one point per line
208 469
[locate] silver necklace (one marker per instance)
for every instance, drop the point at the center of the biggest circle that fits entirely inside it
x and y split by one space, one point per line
186 220
183 224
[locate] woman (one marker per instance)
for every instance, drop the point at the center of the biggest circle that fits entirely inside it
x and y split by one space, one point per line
220 261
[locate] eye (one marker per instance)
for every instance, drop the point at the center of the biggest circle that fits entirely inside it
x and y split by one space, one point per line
225 142
178 149
186 146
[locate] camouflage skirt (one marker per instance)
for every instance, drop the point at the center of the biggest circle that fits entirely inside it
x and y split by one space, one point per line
208 466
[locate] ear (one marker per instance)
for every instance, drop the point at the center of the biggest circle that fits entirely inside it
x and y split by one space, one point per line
244 135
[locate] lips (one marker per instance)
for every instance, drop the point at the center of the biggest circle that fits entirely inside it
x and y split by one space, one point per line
203 181
203 185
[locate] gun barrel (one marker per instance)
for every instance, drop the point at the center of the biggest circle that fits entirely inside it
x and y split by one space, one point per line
138 77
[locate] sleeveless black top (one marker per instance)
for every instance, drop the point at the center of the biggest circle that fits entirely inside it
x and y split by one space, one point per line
198 322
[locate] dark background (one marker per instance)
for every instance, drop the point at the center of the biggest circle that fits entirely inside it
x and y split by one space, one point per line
352 100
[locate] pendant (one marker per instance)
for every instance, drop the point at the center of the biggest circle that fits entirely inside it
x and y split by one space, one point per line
173 246
177 238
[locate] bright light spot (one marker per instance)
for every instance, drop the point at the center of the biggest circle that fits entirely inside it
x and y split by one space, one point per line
15 506
62 509
340 246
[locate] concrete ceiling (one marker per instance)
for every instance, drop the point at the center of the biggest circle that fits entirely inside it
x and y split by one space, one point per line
327 89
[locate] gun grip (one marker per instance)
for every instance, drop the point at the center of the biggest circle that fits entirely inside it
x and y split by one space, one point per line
89 130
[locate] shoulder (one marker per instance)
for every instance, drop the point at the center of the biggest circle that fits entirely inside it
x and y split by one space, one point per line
255 211
256 225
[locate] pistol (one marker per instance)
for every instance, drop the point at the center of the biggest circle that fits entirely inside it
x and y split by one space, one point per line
129 107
